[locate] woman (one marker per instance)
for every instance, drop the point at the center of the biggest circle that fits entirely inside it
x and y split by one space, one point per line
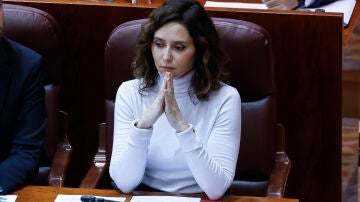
177 126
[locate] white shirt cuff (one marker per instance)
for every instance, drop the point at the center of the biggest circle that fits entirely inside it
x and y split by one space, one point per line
188 139
139 137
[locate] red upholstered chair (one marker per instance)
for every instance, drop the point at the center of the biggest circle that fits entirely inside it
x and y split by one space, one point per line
263 166
40 31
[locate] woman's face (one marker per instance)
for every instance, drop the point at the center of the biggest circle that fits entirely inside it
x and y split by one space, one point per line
173 50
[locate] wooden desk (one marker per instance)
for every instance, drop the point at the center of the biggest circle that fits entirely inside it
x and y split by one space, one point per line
308 68
48 194
346 31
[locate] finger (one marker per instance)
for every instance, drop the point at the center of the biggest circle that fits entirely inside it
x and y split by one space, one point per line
170 101
272 3
279 7
162 89
163 86
170 84
160 98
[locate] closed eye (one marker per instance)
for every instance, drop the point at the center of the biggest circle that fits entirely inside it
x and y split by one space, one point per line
179 47
159 44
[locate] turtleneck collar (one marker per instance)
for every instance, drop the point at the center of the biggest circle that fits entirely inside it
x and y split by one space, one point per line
181 85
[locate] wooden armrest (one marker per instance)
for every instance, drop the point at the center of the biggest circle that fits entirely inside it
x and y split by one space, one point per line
99 166
280 172
62 155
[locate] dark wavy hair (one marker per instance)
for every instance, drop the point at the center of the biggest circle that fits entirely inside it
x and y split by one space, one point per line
208 56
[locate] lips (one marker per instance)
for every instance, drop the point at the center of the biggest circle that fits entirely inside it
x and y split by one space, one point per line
167 68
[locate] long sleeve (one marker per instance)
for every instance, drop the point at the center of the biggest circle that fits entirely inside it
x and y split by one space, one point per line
130 145
213 165
200 159
21 164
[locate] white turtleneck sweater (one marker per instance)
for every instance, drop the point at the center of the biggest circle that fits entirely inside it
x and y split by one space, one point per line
200 159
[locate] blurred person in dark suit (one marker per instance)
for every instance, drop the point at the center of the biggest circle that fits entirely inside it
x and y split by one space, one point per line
295 4
22 113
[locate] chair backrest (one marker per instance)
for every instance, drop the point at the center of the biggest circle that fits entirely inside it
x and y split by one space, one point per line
41 32
250 70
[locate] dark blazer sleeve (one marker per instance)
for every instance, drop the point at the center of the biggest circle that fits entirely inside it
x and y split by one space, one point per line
318 3
21 165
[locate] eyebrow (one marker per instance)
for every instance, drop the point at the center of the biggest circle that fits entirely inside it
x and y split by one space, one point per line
183 42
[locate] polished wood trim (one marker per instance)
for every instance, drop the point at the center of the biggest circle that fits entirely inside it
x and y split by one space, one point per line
282 165
48 194
62 157
98 166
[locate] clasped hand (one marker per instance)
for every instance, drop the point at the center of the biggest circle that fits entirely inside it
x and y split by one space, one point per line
281 4
166 103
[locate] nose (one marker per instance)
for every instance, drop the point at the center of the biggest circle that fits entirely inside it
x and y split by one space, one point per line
167 56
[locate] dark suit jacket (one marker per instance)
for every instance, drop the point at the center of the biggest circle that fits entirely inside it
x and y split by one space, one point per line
317 3
22 114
